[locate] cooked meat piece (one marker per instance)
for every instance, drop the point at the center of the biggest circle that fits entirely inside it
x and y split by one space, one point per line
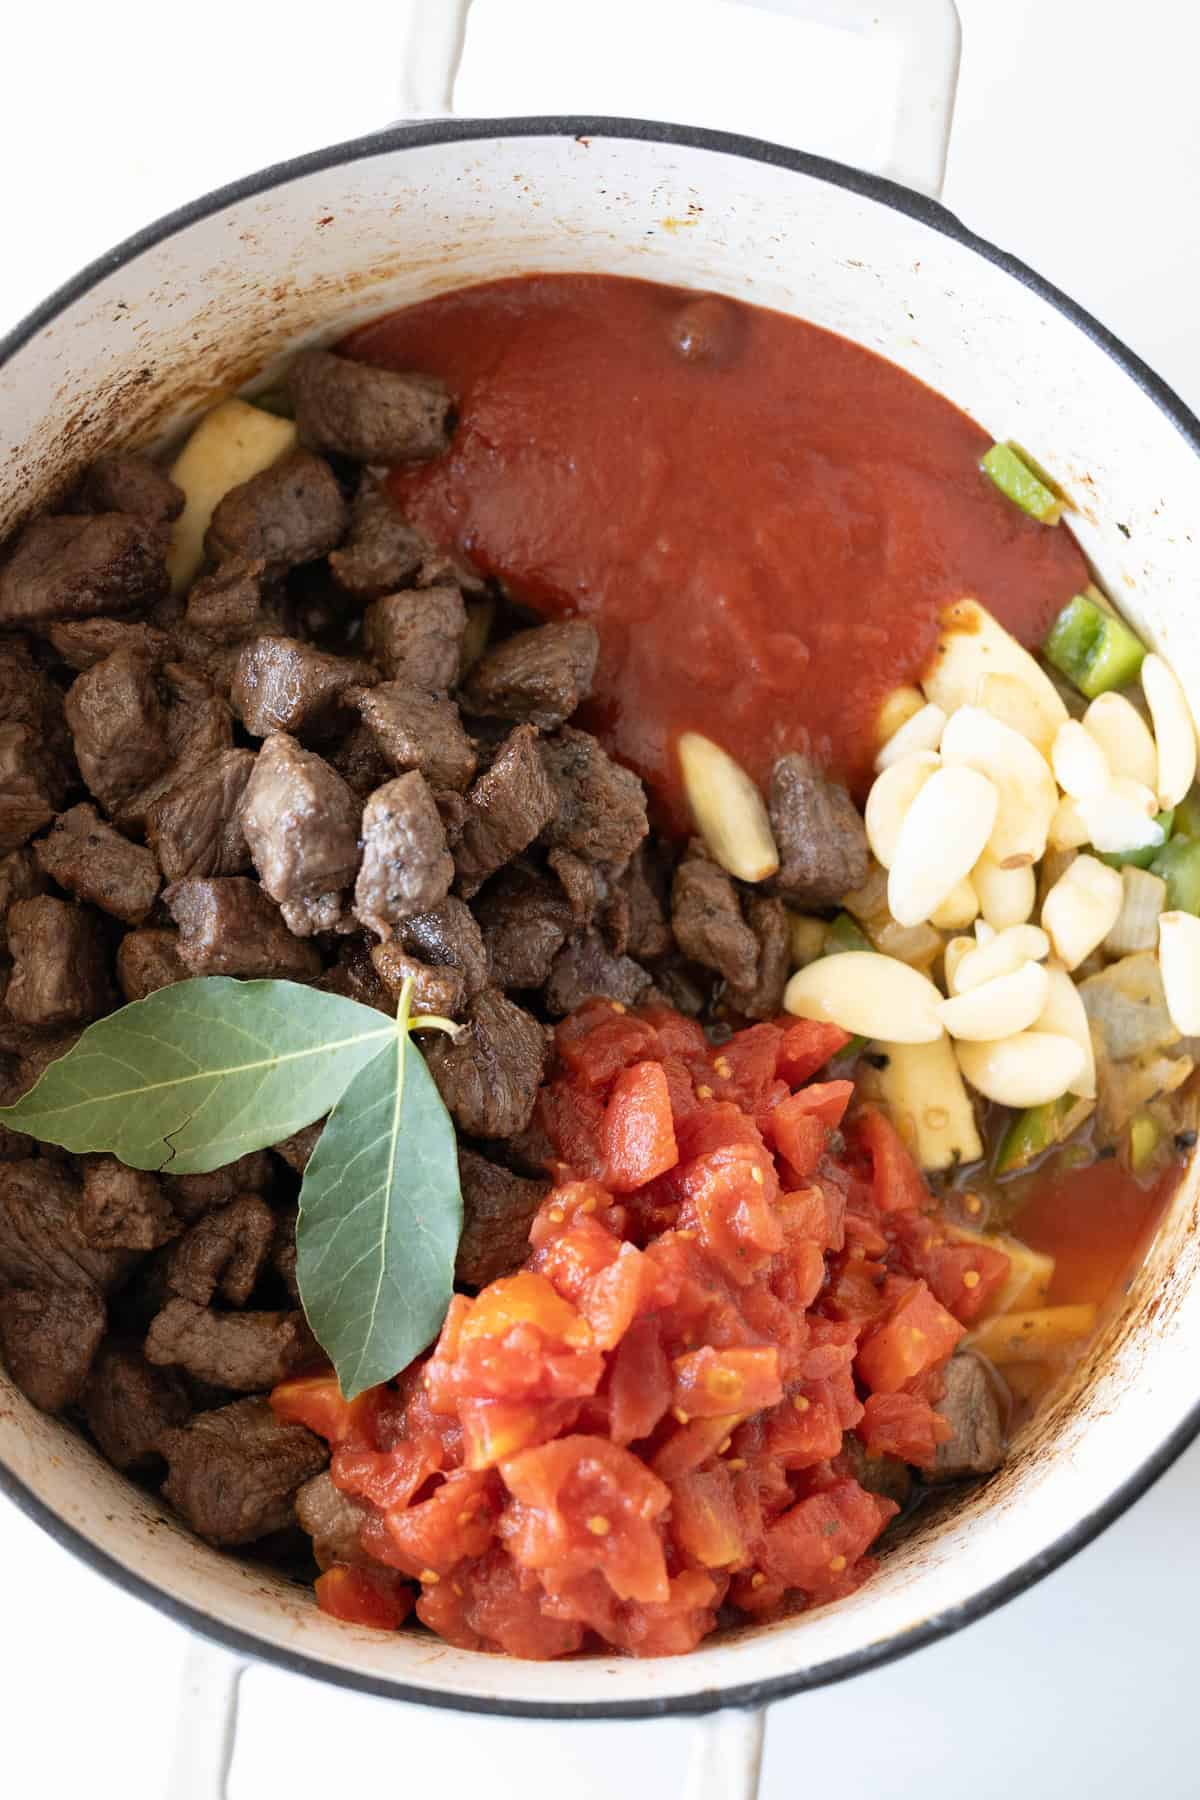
48 1337
192 1195
223 1252
289 513
509 805
333 1521
227 606
600 810
525 921
128 1405
301 822
707 919
20 879
373 415
283 1249
195 828
69 566
310 914
84 855
820 834
29 697
29 788
360 762
41 1244
418 730
129 483
382 552
489 1077
227 926
280 684
581 883
234 1472
416 636
406 867
118 721
540 675
645 886
60 966
36 1058
439 991
124 1209
82 643
453 812
246 1352
355 976
147 961
977 1405
449 936
529 1152
199 728
585 968
297 1149
498 1209
884 1475
15 1146
767 919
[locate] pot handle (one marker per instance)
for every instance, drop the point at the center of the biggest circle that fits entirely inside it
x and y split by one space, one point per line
206 1724
923 36
726 1755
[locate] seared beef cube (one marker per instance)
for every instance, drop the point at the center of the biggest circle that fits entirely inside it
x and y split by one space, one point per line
147 961
767 919
707 918
416 636
540 675
227 926
41 1244
223 1252
193 1195
129 1405
449 936
84 855
60 972
297 1149
600 808
301 822
354 975
290 513
28 696
310 914
683 985
581 883
48 1337
124 1209
820 834
245 1352
509 805
20 879
129 483
29 789
82 643
333 1521
585 969
70 566
119 724
415 729
15 1146
382 551
360 762
280 684
195 828
453 812
406 867
525 921
441 992
498 1209
644 888
226 606
978 1406
36 1058
373 415
489 1076
234 1472
283 1248
199 728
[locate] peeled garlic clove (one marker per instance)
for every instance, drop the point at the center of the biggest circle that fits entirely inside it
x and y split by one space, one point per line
922 732
999 955
1081 909
1121 818
952 956
897 710
1006 896
1068 827
1010 700
1174 731
1179 959
1080 765
868 995
974 645
959 909
940 841
1026 1070
1028 792
1124 736
728 809
999 1008
1064 1015
890 798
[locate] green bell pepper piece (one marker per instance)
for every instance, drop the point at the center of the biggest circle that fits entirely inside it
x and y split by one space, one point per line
846 934
1140 859
1178 863
1018 483
1093 648
1030 1133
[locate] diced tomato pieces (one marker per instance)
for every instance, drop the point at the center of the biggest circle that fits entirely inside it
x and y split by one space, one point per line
708 1383
458 1520
317 1401
572 1117
503 1605
815 1542
807 1045
902 1425
917 1334
637 1138
639 1382
583 1504
897 1181
495 1429
745 1066
704 1518
364 1597
799 1136
600 1039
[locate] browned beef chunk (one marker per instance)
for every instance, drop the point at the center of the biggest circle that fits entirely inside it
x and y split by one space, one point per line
767 919
28 696
449 936
234 1472
41 1244
60 966
382 552
820 834
223 1252
195 828
525 920
36 1057
129 483
373 415
280 684
245 1352
707 918
301 822
355 976
124 1209
227 926
600 808
333 1521
360 762
48 1337
147 961
199 728
416 636
978 1406
70 566
297 1149
118 721
540 675
406 867
129 1405
82 643
453 812
438 991
192 1195
283 1249
585 968
29 790
290 513
645 890
418 730
509 805
489 1077
227 605
310 914
581 882
498 1209
84 855
20 879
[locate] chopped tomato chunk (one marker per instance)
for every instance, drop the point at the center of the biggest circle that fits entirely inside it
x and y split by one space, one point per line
710 1382
807 1045
814 1543
637 1138
364 1597
583 1504
917 1333
704 1518
897 1180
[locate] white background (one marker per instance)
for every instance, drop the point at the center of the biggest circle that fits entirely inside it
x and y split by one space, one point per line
1077 145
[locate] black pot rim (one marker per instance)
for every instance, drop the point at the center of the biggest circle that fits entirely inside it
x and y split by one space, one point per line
927 212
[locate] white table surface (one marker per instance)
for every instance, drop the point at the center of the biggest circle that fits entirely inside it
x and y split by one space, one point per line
1076 144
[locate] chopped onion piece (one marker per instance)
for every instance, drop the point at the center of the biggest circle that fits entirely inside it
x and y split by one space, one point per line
869 995
1124 736
890 799
1179 957
941 840
922 732
1174 731
1145 897
1081 909
1025 1070
728 809
997 1008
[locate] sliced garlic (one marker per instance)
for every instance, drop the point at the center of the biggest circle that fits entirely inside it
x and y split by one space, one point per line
940 841
1122 817
890 798
1064 1015
1000 954
959 909
1026 1070
998 1008
1174 731
1028 793
1081 909
869 995
1080 765
1179 959
922 732
1124 736
1006 896
728 809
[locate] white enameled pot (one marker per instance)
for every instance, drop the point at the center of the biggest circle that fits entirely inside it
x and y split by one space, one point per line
222 292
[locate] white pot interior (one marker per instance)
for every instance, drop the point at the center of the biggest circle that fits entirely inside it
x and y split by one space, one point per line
222 297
